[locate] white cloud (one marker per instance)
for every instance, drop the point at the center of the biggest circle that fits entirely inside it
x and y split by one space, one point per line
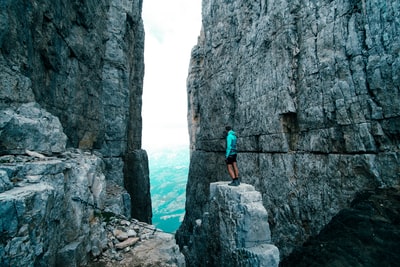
171 31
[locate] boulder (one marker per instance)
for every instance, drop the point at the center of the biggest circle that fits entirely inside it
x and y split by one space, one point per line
31 127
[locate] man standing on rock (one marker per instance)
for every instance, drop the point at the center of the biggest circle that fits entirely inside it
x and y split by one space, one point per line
230 156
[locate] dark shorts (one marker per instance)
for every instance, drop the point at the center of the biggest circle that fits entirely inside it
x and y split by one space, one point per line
231 159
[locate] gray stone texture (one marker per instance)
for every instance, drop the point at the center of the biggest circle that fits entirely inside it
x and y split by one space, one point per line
236 226
312 90
81 61
30 127
135 244
71 78
40 222
366 233
137 183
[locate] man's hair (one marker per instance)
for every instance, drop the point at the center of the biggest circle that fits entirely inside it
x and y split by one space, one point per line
228 128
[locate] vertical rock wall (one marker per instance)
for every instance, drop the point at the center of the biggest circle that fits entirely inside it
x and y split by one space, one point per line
83 62
312 89
71 76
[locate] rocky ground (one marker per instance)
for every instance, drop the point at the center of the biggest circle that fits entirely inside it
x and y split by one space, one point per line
133 243
52 213
366 234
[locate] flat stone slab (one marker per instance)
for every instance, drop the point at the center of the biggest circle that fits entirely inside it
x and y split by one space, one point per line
244 193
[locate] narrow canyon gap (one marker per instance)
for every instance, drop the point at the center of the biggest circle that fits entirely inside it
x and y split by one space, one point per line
172 29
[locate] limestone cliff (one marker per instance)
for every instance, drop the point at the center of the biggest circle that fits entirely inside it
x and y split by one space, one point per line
82 61
312 90
40 223
71 78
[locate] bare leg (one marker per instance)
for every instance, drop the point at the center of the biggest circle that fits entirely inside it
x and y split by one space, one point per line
236 170
231 170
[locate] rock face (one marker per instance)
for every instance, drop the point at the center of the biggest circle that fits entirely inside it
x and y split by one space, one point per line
372 220
312 90
40 223
30 127
71 79
235 226
81 61
52 213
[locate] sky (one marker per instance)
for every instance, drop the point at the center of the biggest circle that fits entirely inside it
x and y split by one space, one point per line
171 30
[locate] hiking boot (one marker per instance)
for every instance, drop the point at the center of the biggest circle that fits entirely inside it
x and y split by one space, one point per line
235 182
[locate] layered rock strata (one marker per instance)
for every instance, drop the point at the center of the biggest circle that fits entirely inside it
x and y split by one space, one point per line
234 231
312 90
52 213
81 61
70 81
41 224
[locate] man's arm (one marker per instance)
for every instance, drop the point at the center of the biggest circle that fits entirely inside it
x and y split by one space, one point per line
228 146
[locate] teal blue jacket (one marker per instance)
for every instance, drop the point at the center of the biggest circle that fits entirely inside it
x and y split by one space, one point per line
231 144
